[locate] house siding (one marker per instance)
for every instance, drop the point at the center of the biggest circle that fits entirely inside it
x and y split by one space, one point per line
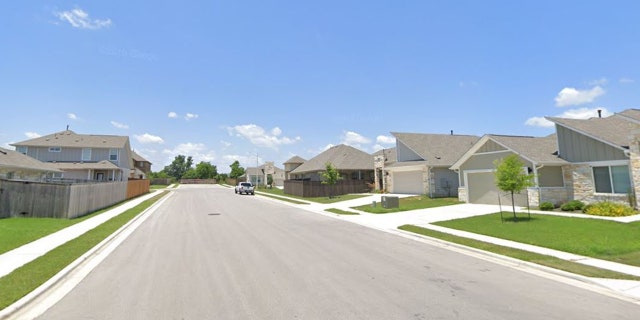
490 146
406 154
576 147
550 177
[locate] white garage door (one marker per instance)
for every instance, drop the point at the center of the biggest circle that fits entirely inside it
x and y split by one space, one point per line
482 189
409 182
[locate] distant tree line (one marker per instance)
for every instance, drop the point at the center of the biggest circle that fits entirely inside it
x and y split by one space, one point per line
182 168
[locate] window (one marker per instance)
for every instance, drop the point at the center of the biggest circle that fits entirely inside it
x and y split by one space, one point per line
22 149
612 179
86 154
113 154
55 149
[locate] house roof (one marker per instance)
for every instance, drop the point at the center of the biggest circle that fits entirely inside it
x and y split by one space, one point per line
632 114
259 170
342 157
136 157
437 149
390 155
538 150
69 138
15 160
613 130
102 165
295 160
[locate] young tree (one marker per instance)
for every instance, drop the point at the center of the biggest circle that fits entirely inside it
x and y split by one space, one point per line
179 166
236 170
511 177
330 176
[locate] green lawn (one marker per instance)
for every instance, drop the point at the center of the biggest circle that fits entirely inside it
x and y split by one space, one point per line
325 200
342 212
15 232
33 274
536 258
410 203
607 240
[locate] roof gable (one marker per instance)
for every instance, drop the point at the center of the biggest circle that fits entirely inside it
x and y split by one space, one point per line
613 130
342 157
436 149
295 160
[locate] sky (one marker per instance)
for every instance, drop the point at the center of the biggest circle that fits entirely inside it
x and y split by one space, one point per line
258 81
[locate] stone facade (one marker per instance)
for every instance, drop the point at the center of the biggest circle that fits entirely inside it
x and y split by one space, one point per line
462 195
556 195
579 181
634 166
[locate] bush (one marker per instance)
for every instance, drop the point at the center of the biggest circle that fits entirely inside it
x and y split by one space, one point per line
609 209
547 206
572 205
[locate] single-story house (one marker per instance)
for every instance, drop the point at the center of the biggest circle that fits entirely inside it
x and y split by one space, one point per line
259 175
539 155
353 164
423 162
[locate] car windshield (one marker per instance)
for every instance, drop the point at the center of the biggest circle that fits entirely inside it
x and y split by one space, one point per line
246 184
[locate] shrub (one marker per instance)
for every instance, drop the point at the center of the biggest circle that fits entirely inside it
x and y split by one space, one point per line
572 205
609 209
547 206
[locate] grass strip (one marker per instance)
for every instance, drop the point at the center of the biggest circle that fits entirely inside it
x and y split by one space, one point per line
27 278
536 258
281 198
342 212
410 203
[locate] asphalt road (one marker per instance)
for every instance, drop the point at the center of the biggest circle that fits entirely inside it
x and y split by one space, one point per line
207 253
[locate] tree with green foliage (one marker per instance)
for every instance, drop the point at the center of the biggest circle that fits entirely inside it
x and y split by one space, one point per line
179 166
270 180
190 174
205 170
512 177
159 175
222 177
236 170
330 176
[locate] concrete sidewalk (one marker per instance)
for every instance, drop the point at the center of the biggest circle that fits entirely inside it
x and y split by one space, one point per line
426 217
20 256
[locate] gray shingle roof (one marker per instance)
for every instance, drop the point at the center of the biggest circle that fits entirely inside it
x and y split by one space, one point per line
390 155
540 150
69 138
259 170
342 157
437 149
15 160
614 130
102 165
295 160
135 156
633 114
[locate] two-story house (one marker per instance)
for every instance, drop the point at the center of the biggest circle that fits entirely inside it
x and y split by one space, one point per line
141 167
83 157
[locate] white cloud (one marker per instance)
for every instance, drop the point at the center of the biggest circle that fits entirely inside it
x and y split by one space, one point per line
385 139
148 138
190 116
72 116
119 125
599 82
32 135
226 144
354 138
573 97
626 80
581 113
538 122
79 18
172 115
259 137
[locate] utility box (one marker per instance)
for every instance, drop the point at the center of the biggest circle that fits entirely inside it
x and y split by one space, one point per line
389 202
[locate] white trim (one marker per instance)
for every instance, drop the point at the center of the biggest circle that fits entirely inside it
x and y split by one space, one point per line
492 152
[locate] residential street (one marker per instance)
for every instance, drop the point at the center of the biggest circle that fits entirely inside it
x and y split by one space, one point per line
208 253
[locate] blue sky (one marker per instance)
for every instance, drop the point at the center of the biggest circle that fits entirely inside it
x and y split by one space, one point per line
259 81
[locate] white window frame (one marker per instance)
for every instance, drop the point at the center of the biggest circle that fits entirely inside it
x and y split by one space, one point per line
55 149
608 165
86 154
113 155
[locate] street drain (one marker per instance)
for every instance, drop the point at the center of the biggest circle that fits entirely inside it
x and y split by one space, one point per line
214 214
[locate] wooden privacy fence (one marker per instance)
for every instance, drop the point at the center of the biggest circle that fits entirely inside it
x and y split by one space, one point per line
305 188
137 187
55 200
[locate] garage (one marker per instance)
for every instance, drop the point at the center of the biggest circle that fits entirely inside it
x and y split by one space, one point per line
409 182
482 189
